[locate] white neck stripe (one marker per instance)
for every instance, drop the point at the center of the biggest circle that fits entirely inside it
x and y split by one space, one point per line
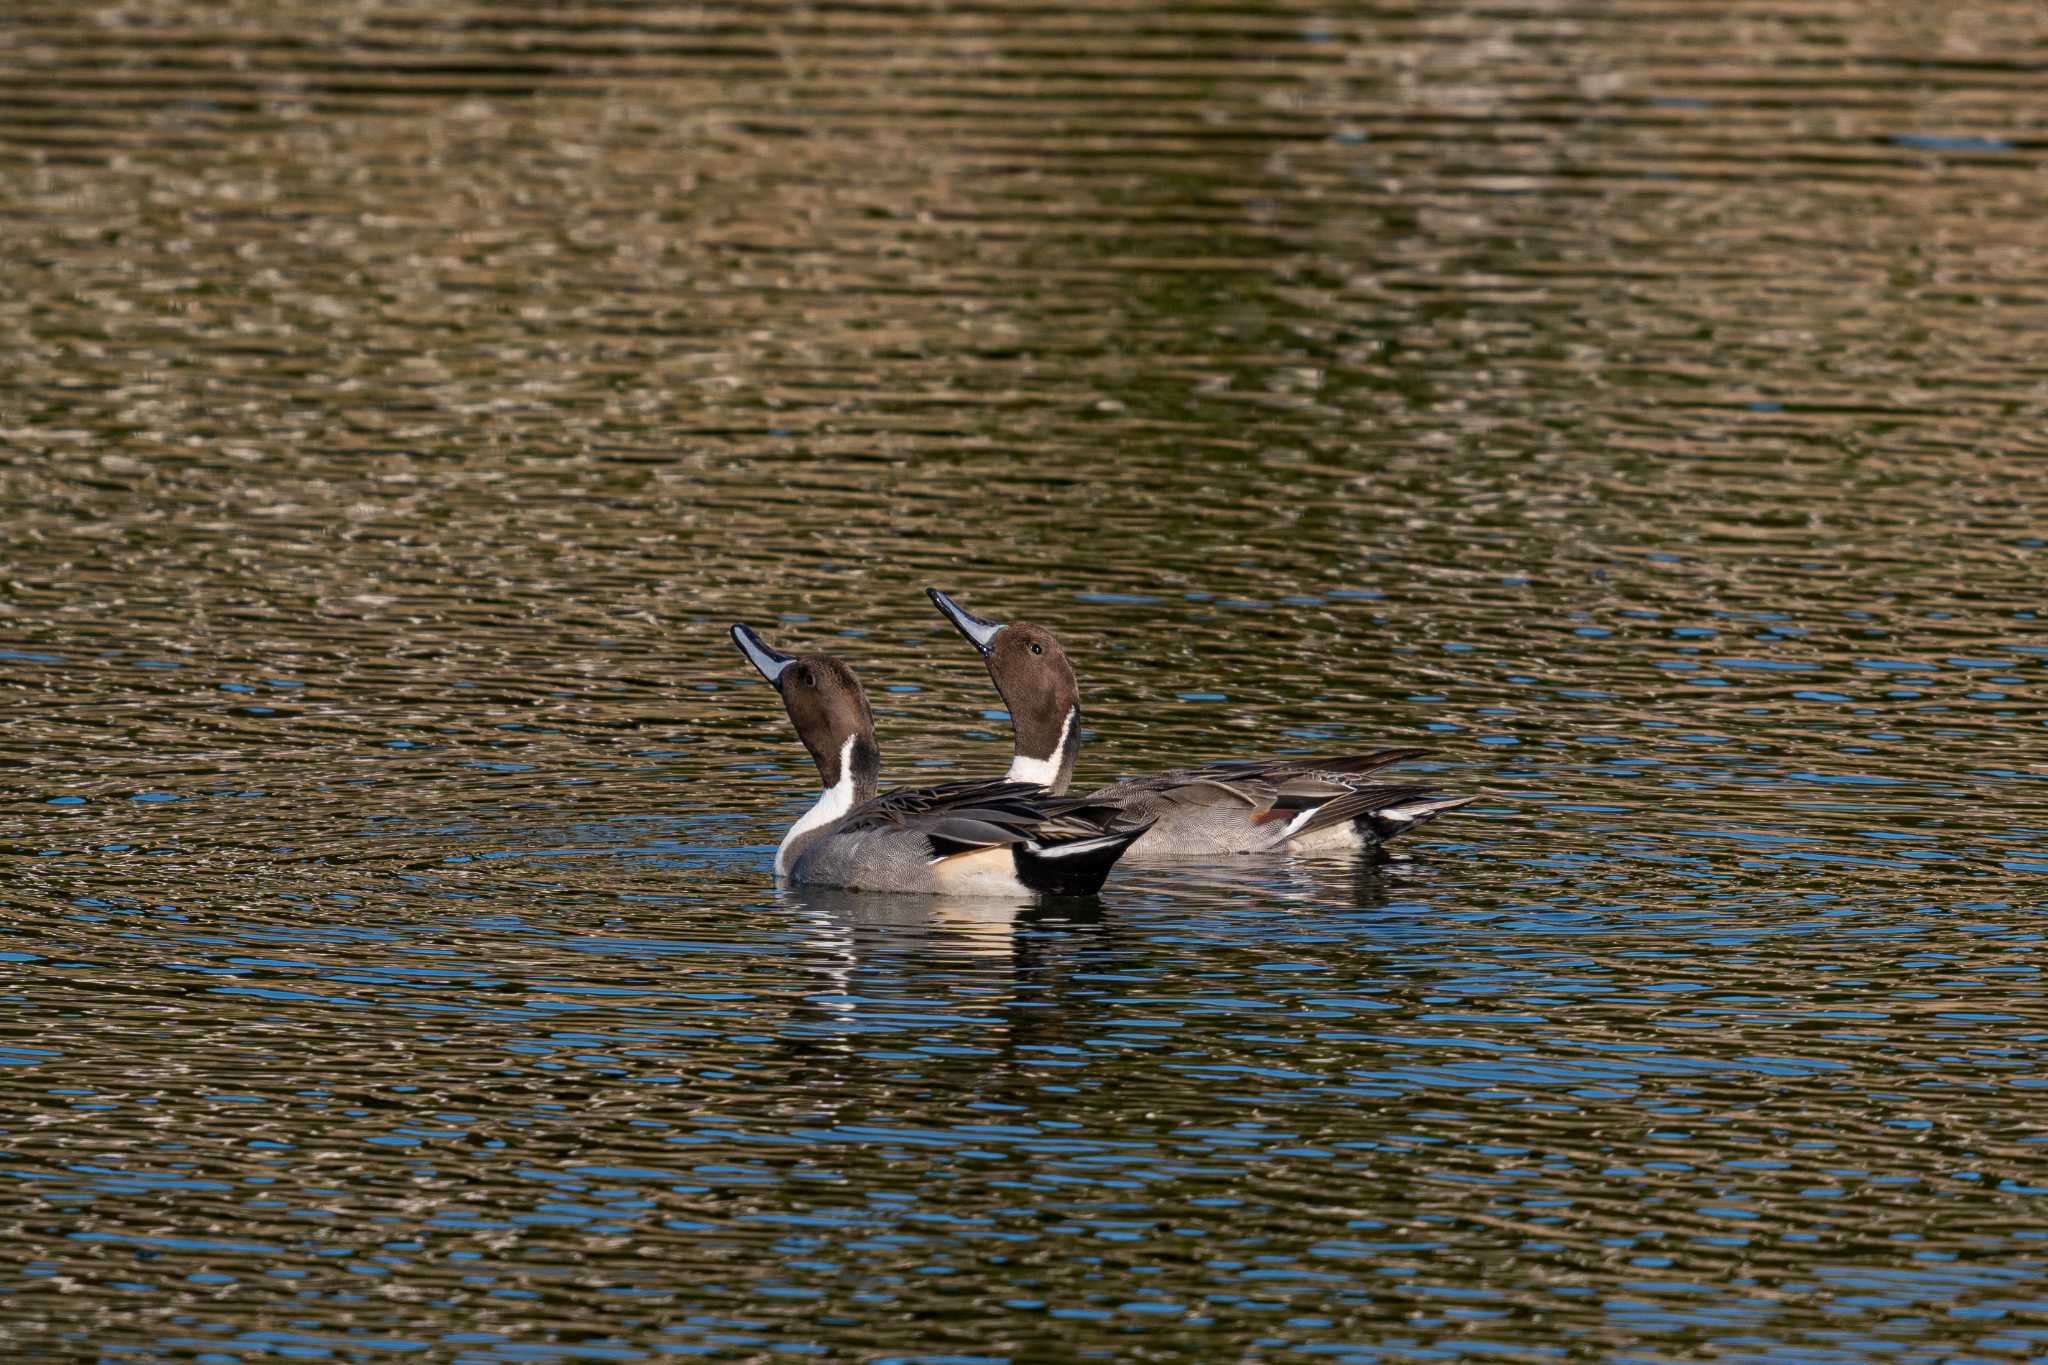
1043 772
833 802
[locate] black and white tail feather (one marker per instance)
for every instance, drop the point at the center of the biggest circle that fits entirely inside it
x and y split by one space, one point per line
1388 821
1076 867
1379 813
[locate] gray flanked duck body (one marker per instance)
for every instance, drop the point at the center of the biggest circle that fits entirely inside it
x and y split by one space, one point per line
1300 805
997 838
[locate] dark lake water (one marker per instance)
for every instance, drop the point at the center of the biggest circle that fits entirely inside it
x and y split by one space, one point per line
1643 405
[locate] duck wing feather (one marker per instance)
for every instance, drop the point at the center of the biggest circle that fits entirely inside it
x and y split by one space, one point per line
1263 789
966 817
1362 802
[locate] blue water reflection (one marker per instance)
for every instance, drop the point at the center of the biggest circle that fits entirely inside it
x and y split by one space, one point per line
1637 405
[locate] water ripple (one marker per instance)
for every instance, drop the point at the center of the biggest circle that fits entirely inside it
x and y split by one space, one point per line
1635 406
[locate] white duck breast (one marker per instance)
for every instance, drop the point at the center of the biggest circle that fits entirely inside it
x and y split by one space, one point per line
833 804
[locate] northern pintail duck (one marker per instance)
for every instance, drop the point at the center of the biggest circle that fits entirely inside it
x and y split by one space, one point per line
999 838
1303 805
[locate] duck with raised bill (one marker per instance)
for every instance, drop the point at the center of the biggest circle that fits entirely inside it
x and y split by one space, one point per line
999 838
1252 806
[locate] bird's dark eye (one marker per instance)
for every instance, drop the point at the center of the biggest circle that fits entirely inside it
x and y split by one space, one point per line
806 677
1038 649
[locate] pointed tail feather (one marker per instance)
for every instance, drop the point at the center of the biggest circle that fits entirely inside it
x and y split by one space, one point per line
1076 867
1388 821
1379 813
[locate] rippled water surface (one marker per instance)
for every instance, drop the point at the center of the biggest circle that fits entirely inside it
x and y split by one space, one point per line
1640 404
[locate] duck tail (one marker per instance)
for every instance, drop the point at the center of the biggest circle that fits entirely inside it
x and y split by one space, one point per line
1402 816
1074 867
1376 813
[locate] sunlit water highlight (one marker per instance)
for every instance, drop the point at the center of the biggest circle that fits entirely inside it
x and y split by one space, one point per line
1641 406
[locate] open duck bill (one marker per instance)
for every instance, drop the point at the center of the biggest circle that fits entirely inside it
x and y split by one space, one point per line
767 661
981 634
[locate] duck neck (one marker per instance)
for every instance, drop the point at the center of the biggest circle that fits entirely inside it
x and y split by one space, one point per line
1052 770
851 777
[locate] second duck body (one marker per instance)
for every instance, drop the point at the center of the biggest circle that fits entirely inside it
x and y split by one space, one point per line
1300 805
